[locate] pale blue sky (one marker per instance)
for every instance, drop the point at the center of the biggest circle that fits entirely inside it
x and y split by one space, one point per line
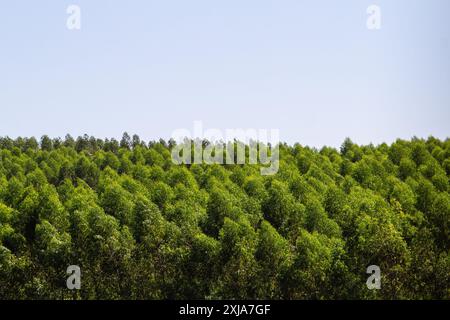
309 68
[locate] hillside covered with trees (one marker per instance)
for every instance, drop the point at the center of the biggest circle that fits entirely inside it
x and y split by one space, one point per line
141 227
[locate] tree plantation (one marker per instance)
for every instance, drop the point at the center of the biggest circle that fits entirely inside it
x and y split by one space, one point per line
141 227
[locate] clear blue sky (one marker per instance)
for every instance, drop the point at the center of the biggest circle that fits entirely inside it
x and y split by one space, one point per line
309 68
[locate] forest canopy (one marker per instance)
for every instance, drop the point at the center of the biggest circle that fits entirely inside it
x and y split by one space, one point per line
141 227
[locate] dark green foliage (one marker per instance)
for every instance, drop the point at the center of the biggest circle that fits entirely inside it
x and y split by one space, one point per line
141 227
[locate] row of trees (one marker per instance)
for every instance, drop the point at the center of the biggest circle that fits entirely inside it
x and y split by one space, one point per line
141 227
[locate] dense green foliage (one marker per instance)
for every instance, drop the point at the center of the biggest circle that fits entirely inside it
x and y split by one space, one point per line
141 227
